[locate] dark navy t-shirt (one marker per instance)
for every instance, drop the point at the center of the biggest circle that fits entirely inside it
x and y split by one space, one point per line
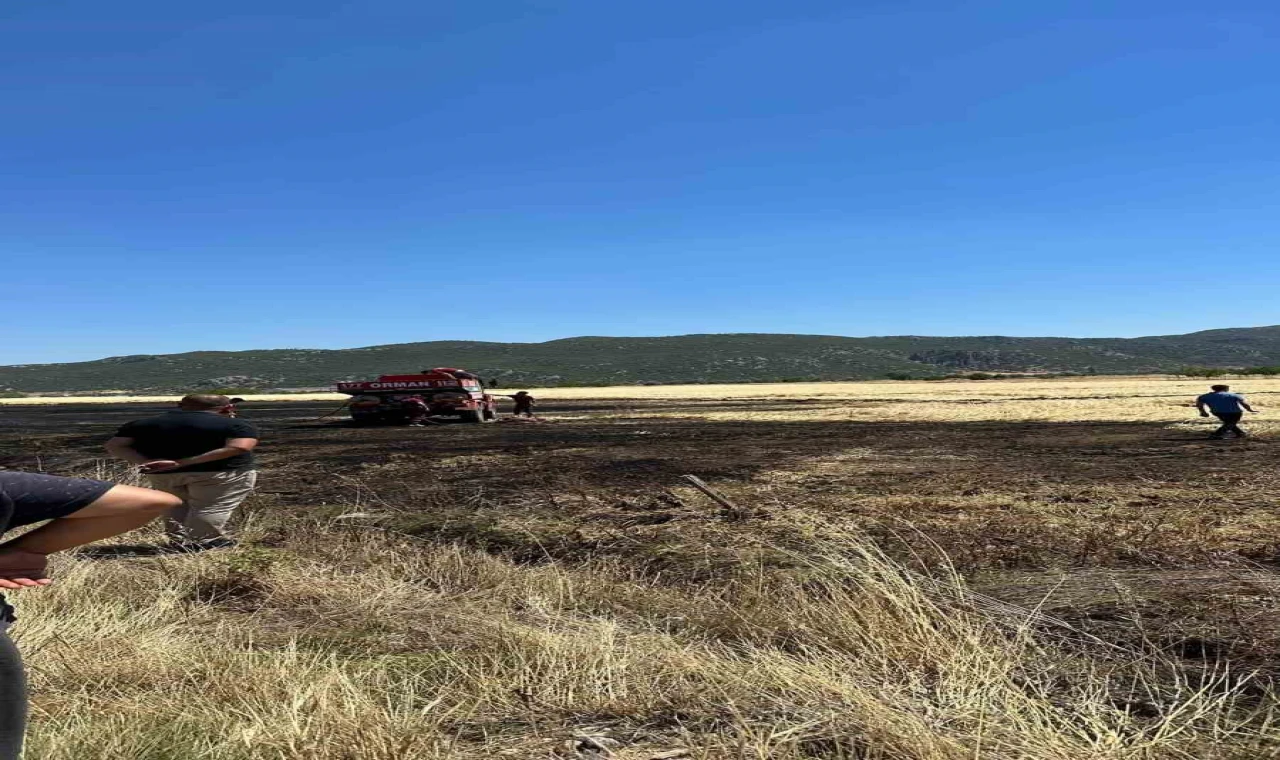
1221 402
181 434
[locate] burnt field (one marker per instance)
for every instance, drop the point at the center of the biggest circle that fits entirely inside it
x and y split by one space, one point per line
1180 529
1137 535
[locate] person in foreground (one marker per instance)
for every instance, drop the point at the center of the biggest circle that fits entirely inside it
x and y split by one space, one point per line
79 511
201 454
1226 406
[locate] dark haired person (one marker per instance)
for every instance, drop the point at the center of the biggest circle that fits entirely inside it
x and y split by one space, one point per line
79 511
1226 406
524 404
201 454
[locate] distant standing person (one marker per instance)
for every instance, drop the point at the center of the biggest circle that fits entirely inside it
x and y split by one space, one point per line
200 454
524 404
1226 406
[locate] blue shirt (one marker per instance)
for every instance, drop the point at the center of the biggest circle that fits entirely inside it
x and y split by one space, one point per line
1220 402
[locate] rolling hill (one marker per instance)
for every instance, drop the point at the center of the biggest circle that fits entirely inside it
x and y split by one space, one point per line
686 358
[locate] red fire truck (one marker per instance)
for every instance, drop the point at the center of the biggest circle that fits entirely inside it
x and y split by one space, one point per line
445 391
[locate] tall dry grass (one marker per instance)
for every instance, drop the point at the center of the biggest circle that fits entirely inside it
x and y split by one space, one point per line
1156 398
1101 386
346 643
1124 399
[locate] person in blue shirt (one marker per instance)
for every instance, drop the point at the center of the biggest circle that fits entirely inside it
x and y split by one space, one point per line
1226 406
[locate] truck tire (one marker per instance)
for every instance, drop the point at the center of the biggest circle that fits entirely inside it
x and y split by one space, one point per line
476 416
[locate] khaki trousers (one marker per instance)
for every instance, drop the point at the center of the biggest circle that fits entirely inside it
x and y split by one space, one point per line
208 499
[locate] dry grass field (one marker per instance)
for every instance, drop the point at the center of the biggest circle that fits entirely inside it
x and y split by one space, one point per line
996 569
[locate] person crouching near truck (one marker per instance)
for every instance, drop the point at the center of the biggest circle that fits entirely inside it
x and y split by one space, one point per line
200 454
415 410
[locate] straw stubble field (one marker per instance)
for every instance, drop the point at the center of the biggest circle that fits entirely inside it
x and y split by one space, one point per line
1011 569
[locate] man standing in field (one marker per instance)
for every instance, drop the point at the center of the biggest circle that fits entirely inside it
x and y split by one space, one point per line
524 404
1226 406
200 454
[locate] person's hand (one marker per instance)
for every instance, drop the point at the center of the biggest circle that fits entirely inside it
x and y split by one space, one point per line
159 465
22 569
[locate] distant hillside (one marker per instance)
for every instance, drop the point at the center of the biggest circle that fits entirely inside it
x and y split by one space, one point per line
684 358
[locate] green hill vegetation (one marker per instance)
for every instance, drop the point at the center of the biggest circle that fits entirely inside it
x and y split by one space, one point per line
745 357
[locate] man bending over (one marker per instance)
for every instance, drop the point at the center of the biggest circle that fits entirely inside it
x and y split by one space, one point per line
1227 407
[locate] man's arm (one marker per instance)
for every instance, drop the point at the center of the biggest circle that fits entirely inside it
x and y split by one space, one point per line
1200 406
234 447
122 448
1245 404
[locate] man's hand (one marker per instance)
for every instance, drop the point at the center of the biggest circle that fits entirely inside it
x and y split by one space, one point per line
22 569
159 465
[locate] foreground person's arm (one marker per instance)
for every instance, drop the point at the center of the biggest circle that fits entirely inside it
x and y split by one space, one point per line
23 560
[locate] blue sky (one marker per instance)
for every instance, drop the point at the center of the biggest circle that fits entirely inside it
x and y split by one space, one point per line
183 176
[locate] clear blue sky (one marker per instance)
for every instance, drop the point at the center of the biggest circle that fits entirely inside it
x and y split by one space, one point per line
182 176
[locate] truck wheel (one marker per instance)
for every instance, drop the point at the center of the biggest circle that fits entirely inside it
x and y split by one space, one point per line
476 416
490 415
